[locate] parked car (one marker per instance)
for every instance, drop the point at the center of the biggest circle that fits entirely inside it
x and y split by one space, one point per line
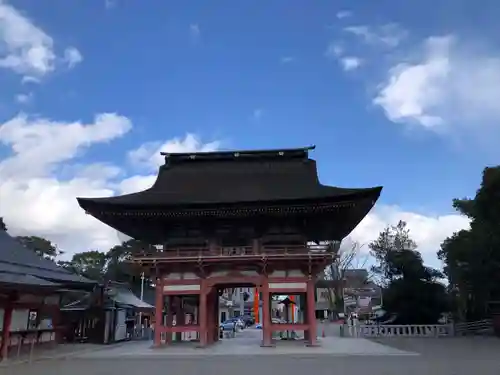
228 325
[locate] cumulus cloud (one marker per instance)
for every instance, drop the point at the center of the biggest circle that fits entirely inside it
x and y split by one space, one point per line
25 48
350 63
38 144
24 98
148 154
343 14
35 200
447 86
335 51
72 57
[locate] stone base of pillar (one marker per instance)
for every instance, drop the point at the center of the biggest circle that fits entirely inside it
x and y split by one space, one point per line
315 344
272 345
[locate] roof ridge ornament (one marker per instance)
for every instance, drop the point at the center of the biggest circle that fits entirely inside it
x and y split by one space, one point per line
293 153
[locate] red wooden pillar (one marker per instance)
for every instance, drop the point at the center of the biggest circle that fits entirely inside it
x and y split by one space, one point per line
55 313
203 311
266 314
179 317
169 319
158 312
256 305
212 322
7 320
311 316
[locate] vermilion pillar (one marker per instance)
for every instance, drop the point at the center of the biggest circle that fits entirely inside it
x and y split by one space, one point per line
292 306
158 312
170 318
266 314
256 298
311 316
203 314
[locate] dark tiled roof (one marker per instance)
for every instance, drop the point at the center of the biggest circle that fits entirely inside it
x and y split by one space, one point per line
234 177
19 263
25 280
125 297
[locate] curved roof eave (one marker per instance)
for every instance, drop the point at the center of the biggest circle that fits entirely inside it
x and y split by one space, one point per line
148 198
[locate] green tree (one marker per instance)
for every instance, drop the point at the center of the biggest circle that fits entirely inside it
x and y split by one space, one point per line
387 248
472 257
412 291
118 266
3 226
91 264
44 248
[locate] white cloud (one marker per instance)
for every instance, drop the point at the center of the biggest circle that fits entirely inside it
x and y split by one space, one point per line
428 231
334 50
72 57
343 14
24 98
287 59
24 48
350 63
148 154
29 79
34 201
38 145
447 86
389 35
194 31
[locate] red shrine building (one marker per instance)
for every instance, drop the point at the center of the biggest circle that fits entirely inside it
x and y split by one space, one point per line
230 219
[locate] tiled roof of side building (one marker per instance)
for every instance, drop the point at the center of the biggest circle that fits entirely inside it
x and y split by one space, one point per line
15 259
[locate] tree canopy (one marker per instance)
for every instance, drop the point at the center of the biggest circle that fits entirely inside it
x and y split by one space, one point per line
41 246
412 291
472 257
3 226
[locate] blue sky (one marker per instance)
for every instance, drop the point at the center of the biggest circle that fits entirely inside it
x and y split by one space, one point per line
399 96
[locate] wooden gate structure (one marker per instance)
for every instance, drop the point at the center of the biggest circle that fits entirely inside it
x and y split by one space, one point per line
230 219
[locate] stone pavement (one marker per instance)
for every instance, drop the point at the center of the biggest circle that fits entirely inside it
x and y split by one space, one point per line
49 353
248 342
447 356
263 365
473 347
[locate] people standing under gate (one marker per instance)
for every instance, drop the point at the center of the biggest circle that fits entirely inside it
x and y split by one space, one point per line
353 323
